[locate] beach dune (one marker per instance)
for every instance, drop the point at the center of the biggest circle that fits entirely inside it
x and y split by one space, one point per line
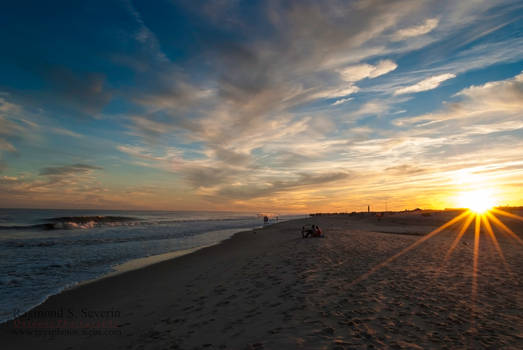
271 289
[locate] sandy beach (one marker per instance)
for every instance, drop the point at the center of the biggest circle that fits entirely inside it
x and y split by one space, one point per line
271 289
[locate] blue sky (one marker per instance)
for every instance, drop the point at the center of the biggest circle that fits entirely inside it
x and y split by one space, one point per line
260 105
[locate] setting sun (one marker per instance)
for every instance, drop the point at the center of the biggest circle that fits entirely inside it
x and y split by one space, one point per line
478 201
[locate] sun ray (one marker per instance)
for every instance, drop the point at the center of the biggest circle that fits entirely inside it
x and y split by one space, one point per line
477 228
504 213
412 246
461 232
488 227
498 223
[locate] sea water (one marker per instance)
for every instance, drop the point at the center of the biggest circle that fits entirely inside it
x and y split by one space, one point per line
43 252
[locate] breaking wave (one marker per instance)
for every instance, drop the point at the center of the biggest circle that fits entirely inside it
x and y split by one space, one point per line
75 222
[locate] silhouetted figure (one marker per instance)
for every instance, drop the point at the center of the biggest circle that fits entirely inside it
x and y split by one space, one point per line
317 231
314 231
306 232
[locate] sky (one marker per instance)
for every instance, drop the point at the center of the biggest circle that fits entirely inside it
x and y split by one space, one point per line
281 106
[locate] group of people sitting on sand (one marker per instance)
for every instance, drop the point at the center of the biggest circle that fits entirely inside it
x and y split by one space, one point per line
313 231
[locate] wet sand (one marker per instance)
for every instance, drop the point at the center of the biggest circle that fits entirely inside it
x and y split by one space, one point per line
271 289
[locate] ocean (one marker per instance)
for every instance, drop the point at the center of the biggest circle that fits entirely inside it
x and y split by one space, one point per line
43 252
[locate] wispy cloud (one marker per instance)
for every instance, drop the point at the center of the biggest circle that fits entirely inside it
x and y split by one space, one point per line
493 102
421 29
340 101
144 35
301 181
425 85
362 71
10 130
373 107
68 169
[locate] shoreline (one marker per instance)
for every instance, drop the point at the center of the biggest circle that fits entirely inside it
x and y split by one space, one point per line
140 263
270 288
130 266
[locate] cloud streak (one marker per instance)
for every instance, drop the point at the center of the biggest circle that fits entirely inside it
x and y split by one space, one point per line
492 102
68 170
343 100
422 29
425 85
362 71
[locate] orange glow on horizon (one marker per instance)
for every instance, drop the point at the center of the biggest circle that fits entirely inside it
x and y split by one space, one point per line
478 201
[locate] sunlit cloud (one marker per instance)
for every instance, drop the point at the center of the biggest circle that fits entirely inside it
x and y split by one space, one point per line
362 71
499 95
336 92
421 29
340 101
426 84
489 102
